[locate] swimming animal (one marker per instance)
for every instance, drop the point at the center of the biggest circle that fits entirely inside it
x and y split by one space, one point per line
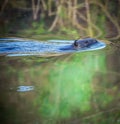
81 43
24 47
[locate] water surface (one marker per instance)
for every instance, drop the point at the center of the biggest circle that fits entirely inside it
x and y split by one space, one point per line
27 47
77 88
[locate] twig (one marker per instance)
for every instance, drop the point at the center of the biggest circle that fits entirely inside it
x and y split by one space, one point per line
88 17
44 5
53 24
99 32
110 17
35 8
50 13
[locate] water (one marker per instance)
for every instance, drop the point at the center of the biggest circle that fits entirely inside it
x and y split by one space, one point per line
77 88
24 47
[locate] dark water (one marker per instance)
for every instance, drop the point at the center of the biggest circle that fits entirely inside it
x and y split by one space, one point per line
78 88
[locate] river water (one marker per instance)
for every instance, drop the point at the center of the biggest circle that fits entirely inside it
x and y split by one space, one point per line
76 88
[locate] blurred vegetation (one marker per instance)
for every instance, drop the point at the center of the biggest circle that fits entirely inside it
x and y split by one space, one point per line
75 18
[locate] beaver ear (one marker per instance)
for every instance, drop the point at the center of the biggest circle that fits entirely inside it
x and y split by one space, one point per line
75 43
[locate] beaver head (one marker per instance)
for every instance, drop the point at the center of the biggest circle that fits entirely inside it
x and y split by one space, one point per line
81 43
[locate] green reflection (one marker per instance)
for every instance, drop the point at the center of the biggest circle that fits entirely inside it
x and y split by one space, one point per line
67 88
70 86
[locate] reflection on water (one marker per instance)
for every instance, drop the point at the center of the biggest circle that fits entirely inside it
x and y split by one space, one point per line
79 88
25 88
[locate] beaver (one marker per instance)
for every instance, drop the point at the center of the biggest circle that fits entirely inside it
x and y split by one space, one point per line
82 43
